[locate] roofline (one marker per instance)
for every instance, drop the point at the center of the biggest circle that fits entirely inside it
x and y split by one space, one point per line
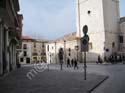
122 19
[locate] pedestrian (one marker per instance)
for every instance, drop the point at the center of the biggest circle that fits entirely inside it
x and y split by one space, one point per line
123 57
99 59
60 55
68 63
75 64
72 62
105 58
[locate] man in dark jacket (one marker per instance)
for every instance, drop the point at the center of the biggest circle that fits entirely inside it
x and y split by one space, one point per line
76 64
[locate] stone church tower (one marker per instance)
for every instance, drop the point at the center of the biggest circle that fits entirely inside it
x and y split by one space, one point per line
102 18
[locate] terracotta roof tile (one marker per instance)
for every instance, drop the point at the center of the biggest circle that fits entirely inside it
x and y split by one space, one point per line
26 38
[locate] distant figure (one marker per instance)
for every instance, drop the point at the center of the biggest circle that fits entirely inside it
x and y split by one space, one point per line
68 63
105 58
60 55
123 57
76 64
99 59
72 62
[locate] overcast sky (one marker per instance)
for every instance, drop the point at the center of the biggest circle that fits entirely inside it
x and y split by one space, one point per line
50 19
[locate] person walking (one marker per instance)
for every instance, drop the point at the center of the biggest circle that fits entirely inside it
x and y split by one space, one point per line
60 55
75 64
72 62
99 59
68 63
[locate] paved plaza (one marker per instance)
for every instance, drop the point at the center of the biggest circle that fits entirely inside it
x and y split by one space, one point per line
106 78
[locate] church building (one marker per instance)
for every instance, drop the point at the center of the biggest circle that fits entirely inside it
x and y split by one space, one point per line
105 27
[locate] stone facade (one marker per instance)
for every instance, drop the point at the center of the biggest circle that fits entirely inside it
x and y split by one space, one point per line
102 18
122 36
10 34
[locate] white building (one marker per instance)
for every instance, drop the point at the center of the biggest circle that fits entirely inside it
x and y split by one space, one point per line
25 55
102 18
69 43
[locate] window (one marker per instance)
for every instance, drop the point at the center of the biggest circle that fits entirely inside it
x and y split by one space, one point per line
34 58
21 59
24 46
42 45
34 45
89 12
69 49
34 54
69 54
107 50
43 53
120 39
52 47
113 44
25 53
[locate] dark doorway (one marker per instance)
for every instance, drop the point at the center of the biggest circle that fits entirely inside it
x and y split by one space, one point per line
27 60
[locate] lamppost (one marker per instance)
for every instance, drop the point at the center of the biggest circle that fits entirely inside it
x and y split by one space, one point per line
55 53
77 48
65 51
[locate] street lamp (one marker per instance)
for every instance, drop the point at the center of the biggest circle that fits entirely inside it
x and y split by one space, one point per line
65 51
77 48
55 53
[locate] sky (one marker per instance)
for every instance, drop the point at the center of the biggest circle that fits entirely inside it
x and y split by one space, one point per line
50 19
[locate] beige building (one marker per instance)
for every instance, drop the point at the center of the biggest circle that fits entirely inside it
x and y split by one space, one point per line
32 51
39 51
104 26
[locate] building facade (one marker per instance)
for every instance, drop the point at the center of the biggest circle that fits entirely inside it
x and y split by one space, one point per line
10 34
122 36
25 56
39 51
32 50
103 20
70 45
